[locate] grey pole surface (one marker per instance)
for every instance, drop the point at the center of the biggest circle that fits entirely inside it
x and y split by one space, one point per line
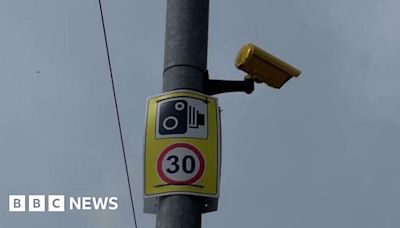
186 40
185 67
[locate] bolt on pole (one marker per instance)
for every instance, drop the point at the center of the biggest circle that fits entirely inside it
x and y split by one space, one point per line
185 67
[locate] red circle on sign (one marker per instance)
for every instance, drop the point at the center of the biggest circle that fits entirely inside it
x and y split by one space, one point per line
186 182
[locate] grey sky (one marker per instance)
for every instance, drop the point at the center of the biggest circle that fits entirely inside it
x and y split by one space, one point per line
321 152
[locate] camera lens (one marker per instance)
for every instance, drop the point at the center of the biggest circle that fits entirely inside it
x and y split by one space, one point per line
170 123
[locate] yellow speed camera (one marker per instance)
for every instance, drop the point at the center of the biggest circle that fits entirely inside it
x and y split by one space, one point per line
264 67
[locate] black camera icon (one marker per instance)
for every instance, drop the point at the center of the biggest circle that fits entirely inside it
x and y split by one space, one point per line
177 116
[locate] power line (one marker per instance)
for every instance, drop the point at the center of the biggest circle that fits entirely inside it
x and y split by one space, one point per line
117 113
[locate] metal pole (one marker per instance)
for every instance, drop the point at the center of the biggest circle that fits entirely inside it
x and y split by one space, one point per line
185 67
186 36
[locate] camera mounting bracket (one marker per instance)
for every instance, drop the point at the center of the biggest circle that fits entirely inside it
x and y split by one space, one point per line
225 86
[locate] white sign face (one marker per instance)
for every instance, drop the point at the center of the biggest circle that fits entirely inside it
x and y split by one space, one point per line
180 164
181 117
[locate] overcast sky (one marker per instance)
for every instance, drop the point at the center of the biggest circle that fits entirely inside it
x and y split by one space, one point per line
321 152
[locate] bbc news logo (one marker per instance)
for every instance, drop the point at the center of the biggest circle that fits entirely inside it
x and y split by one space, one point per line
57 203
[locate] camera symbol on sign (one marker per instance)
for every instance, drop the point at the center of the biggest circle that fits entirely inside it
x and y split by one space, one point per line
182 117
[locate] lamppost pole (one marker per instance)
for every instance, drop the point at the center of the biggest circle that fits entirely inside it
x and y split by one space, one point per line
185 67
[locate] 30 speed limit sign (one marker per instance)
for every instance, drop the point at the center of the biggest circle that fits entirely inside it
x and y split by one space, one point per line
180 164
182 145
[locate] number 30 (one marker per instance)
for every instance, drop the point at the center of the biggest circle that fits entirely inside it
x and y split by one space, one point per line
188 164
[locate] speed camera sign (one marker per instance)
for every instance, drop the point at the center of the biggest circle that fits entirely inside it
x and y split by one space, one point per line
182 145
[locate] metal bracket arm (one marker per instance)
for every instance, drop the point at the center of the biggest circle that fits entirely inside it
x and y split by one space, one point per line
224 86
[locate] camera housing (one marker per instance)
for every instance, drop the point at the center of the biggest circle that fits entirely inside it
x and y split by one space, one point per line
264 67
181 117
173 117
